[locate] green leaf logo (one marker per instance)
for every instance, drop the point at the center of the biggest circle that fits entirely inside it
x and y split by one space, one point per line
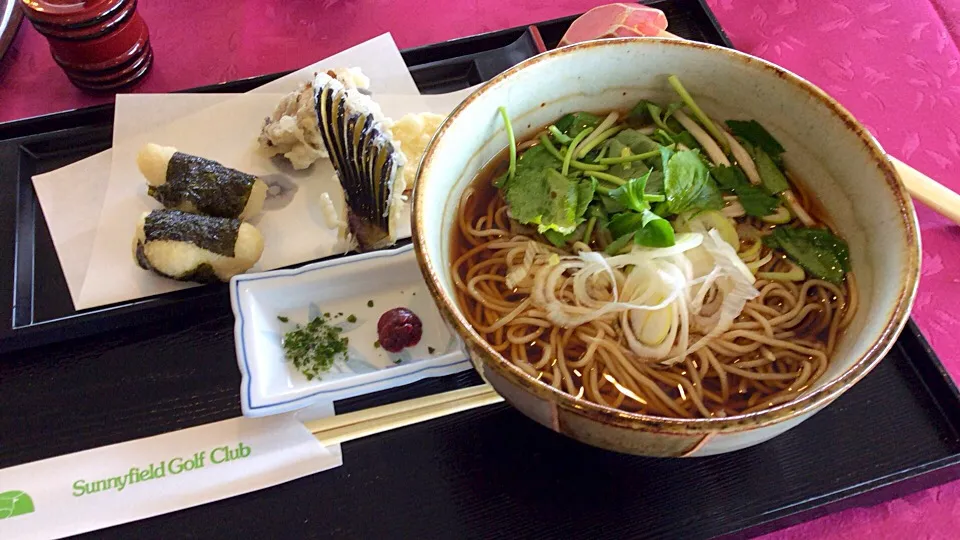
15 503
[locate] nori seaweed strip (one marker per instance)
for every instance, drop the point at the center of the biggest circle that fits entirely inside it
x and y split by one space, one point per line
208 186
142 260
203 273
216 235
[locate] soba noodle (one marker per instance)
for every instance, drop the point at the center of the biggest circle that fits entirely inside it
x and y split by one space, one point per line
779 345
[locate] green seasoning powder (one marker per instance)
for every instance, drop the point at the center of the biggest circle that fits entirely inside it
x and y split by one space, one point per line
314 348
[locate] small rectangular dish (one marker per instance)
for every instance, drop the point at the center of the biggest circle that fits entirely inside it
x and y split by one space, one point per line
354 291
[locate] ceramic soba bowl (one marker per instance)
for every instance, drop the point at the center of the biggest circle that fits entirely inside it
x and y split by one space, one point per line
834 155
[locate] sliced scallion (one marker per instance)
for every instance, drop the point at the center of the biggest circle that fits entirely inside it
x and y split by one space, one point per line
698 112
599 139
607 177
545 141
572 149
560 136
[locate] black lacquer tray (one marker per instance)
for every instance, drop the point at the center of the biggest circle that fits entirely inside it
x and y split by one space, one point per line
71 381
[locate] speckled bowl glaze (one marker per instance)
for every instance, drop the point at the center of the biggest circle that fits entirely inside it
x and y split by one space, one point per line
826 147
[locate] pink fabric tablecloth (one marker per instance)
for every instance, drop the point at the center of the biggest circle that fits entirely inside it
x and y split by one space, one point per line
893 63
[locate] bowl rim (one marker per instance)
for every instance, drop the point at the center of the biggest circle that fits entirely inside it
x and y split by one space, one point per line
896 318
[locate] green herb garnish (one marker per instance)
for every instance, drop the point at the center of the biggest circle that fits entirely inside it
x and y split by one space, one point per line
376 344
646 228
283 319
654 231
431 350
687 183
397 361
617 245
632 194
351 318
540 195
754 199
572 124
752 132
770 176
313 349
698 112
556 238
369 303
817 251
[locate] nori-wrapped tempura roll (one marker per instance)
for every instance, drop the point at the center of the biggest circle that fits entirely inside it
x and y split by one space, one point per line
191 247
199 185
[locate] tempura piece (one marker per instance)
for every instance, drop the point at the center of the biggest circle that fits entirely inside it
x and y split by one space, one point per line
198 185
369 165
191 247
412 133
292 128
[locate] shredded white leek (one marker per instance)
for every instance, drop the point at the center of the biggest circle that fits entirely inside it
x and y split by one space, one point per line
755 265
657 294
607 123
734 210
743 158
709 145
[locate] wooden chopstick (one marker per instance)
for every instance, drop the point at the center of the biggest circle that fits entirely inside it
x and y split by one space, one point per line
350 426
928 191
937 196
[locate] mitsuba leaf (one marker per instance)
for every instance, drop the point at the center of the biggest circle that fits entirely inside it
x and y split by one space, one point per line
625 223
687 183
631 169
646 228
686 139
752 132
754 199
556 238
655 231
637 142
560 209
539 194
631 194
771 177
655 182
661 117
611 205
585 191
639 115
617 245
662 137
573 123
818 251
